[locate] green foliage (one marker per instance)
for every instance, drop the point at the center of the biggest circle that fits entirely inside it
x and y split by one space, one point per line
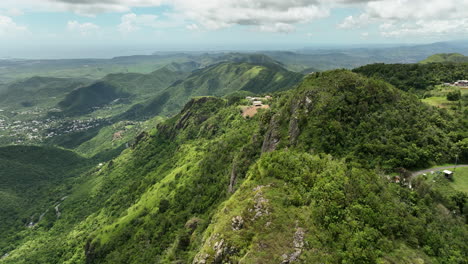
37 92
32 180
410 77
209 186
365 120
216 80
347 215
454 96
445 57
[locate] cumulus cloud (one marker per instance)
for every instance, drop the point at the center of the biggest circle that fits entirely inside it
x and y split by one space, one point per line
355 22
413 17
428 28
132 22
83 29
277 27
93 7
9 27
266 15
276 15
193 27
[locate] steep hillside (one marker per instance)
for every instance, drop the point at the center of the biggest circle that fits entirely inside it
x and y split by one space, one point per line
297 182
121 88
445 57
143 85
32 181
86 99
218 80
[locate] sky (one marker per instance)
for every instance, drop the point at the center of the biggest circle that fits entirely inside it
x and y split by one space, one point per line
107 28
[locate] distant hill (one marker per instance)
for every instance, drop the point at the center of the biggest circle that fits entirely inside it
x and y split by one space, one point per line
445 57
121 86
37 91
218 80
83 100
142 85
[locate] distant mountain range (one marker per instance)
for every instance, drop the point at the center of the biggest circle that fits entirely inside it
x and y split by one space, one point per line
304 60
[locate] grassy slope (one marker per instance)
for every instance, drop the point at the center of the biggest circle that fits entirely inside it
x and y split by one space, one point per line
217 80
167 199
445 57
460 180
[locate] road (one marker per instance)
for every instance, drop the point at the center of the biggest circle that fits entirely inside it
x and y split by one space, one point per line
416 173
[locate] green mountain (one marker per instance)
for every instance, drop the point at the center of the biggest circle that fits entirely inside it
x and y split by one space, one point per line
32 181
445 57
123 87
39 92
87 99
218 80
306 180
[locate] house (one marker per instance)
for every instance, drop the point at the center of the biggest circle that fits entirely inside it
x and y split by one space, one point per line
462 83
448 174
257 103
268 97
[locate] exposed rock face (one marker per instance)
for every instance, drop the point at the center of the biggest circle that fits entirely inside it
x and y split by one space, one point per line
232 180
298 107
193 223
293 130
298 243
222 252
261 203
272 136
237 223
140 138
195 112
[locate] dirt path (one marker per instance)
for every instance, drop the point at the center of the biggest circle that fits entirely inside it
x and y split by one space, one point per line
416 173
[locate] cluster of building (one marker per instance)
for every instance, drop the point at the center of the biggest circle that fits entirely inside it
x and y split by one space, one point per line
27 131
459 83
257 101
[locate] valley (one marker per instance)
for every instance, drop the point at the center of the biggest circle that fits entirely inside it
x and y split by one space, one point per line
232 158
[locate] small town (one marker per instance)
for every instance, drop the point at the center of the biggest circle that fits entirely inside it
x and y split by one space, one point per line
37 129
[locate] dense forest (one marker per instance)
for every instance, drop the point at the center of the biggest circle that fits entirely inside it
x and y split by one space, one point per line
416 77
309 179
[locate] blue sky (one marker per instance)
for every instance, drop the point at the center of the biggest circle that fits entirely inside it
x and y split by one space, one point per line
106 28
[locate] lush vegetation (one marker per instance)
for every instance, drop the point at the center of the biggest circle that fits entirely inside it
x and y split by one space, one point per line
416 77
219 79
32 181
306 180
446 57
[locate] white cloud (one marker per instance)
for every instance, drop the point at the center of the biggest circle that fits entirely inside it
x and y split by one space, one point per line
433 28
277 27
84 29
355 22
413 17
266 15
9 27
272 15
15 12
132 22
193 27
